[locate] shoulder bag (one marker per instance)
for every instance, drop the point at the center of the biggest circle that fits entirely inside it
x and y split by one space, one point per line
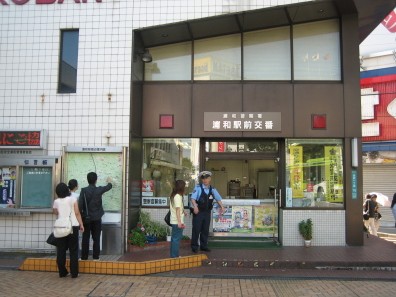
168 216
366 214
63 226
86 218
52 239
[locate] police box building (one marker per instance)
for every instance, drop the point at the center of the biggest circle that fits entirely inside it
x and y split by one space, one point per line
264 96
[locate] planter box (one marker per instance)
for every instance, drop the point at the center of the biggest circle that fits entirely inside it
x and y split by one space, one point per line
156 246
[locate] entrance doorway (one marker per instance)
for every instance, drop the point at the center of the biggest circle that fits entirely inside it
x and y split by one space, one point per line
248 182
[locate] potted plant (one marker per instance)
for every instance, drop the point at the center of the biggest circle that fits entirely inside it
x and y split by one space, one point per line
137 236
152 231
305 228
168 234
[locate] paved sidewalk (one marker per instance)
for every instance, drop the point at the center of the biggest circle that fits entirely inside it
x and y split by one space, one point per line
376 259
48 284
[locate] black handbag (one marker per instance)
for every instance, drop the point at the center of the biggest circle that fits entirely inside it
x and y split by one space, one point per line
168 215
52 240
366 214
167 219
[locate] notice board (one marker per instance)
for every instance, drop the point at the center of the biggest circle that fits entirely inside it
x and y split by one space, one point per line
36 187
105 164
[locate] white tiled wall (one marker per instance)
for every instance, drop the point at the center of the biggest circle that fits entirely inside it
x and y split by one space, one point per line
29 57
26 232
328 227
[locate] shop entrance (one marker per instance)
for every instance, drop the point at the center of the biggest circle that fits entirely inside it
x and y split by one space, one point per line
246 174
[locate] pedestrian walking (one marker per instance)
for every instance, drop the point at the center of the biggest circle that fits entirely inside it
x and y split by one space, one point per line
371 206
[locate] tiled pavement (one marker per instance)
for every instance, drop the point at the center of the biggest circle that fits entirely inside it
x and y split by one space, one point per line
375 260
48 284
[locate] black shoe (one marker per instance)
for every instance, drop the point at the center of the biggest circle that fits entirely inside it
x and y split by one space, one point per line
205 249
194 250
74 276
64 275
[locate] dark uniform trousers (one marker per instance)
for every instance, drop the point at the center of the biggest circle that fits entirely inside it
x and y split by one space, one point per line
200 229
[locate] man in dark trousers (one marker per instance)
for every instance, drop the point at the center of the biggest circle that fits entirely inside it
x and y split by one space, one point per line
202 199
90 205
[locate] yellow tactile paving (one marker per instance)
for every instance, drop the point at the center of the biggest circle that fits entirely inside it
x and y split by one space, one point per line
118 267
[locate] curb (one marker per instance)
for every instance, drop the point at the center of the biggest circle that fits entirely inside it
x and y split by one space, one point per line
117 267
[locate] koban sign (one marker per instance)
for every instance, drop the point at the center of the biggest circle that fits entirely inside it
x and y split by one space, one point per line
242 121
22 2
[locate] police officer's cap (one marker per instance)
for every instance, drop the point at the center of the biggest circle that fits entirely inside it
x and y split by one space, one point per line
205 174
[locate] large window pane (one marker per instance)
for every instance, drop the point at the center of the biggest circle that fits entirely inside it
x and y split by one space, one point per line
218 58
266 54
314 173
316 51
164 162
170 62
68 62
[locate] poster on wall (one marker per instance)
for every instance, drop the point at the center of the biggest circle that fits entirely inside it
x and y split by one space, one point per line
7 186
222 223
241 219
296 171
105 165
333 174
265 219
147 188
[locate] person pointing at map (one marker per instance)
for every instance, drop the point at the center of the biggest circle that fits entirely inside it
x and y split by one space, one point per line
91 207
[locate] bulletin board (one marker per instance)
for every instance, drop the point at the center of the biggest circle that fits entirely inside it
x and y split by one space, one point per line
105 164
36 188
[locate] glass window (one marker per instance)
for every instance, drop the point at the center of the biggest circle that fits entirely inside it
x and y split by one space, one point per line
170 62
314 173
164 161
253 146
266 54
316 51
218 58
68 62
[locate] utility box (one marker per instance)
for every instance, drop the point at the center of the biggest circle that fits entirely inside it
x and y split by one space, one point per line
111 239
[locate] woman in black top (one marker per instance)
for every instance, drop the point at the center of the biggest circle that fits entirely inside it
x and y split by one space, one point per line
372 206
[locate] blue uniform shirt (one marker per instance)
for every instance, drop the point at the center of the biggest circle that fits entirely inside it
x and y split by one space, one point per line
197 192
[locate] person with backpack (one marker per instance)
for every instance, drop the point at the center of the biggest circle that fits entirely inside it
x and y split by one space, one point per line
202 199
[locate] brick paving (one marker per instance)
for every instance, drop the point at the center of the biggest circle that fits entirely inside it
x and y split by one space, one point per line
368 270
48 284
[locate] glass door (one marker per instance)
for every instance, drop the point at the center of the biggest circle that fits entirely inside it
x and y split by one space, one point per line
246 175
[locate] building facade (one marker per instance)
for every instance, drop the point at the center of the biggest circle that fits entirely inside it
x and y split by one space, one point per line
264 95
378 74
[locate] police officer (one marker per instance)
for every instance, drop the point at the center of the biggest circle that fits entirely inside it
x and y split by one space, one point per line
202 199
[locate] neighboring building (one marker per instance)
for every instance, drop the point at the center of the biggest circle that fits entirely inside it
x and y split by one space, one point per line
152 91
378 93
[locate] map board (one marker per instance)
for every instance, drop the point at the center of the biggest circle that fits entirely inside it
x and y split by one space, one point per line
105 164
